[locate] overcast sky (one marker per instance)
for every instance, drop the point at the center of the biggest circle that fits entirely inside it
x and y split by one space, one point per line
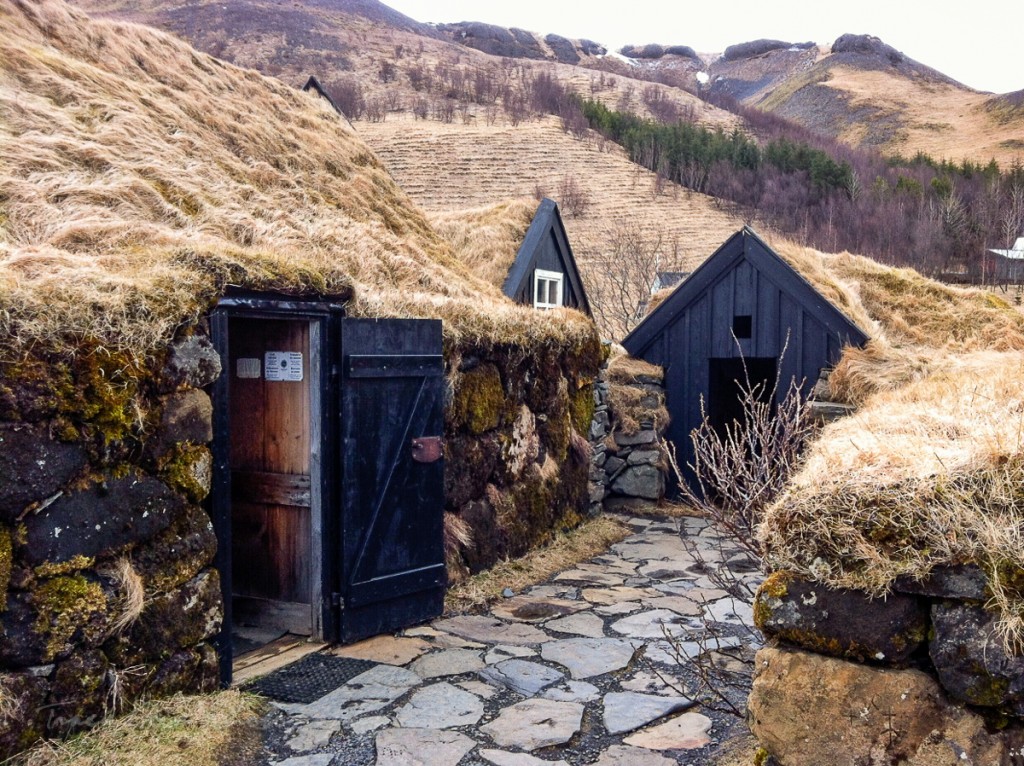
978 42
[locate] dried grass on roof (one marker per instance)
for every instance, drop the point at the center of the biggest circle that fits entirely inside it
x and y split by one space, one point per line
487 239
930 469
139 177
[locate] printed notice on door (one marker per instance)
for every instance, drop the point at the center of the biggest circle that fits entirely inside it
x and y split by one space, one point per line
247 368
282 365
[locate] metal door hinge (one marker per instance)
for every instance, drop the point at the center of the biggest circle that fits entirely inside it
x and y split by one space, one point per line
427 449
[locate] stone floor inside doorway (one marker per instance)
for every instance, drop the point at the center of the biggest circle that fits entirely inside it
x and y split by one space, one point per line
577 670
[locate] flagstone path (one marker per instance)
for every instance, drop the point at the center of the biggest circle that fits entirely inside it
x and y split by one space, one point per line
574 671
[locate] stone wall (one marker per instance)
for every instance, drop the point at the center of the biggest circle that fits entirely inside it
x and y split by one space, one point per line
628 462
921 677
105 551
516 453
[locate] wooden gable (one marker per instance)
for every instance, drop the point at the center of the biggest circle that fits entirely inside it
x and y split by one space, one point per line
546 247
743 303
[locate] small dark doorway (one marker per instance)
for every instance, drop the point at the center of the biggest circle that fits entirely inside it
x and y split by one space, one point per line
727 380
327 495
274 418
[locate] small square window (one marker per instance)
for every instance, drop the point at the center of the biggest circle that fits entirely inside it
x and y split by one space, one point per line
742 326
547 289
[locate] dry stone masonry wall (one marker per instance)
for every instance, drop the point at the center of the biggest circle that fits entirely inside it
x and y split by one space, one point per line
627 463
105 577
920 677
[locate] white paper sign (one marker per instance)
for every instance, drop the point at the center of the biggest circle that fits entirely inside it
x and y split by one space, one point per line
283 365
247 368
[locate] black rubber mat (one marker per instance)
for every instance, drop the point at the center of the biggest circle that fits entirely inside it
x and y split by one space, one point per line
310 678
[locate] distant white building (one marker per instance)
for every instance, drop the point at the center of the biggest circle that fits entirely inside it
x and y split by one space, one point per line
1016 253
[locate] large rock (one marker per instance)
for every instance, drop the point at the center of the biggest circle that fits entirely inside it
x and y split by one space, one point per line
963 581
33 467
646 481
535 723
808 709
23 714
181 619
187 416
971 660
100 520
76 693
840 623
192 362
177 554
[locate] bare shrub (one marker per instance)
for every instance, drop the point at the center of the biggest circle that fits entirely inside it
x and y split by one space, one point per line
421 108
349 96
741 467
572 197
444 110
376 109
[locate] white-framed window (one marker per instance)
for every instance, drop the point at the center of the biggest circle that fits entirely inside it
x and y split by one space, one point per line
547 289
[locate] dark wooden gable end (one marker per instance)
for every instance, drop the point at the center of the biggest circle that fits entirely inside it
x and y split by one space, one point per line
546 247
780 322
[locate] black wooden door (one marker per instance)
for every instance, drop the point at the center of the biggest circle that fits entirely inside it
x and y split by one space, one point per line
392 483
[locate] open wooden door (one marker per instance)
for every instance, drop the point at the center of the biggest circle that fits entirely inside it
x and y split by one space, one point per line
273 428
392 482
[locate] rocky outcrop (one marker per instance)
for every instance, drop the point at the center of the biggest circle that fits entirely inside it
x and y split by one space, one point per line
758 48
809 709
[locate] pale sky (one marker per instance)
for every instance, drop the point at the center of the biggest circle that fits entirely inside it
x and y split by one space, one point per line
978 42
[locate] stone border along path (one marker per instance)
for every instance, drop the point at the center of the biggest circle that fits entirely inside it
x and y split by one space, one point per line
561 674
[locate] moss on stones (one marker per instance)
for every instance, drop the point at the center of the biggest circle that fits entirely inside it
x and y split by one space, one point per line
581 407
74 564
479 400
6 561
66 605
188 468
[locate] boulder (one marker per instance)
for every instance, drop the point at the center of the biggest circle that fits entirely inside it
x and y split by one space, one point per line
963 581
647 436
809 709
840 623
33 467
192 362
77 693
99 520
753 48
177 554
644 481
179 620
971 660
563 48
23 714
187 416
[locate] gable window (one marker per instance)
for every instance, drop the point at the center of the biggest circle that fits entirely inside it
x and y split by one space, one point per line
547 289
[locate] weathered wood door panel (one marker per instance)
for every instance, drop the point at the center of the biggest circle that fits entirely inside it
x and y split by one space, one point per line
392 489
270 472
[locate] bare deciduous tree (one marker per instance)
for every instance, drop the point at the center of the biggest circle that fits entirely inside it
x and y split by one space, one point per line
572 197
622 276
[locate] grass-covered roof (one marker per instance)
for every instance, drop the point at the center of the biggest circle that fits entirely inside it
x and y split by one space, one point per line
139 178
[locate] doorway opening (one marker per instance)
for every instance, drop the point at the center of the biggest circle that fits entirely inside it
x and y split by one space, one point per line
727 384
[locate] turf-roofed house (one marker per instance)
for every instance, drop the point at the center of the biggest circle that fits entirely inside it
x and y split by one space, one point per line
745 317
521 250
245 387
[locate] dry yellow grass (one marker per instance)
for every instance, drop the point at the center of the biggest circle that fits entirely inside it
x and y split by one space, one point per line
209 730
487 239
454 167
589 539
939 119
138 178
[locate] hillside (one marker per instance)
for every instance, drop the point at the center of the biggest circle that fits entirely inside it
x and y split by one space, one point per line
446 167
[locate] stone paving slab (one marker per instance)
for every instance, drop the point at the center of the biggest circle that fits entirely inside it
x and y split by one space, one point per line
574 672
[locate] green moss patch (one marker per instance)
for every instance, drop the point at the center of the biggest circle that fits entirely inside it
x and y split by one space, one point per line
65 605
479 400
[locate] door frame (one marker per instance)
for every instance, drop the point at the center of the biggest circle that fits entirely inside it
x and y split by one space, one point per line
323 317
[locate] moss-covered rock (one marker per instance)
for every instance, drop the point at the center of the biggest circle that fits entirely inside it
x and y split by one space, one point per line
101 519
470 460
34 467
77 693
185 417
478 402
5 563
841 623
188 468
23 712
70 611
177 554
179 620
